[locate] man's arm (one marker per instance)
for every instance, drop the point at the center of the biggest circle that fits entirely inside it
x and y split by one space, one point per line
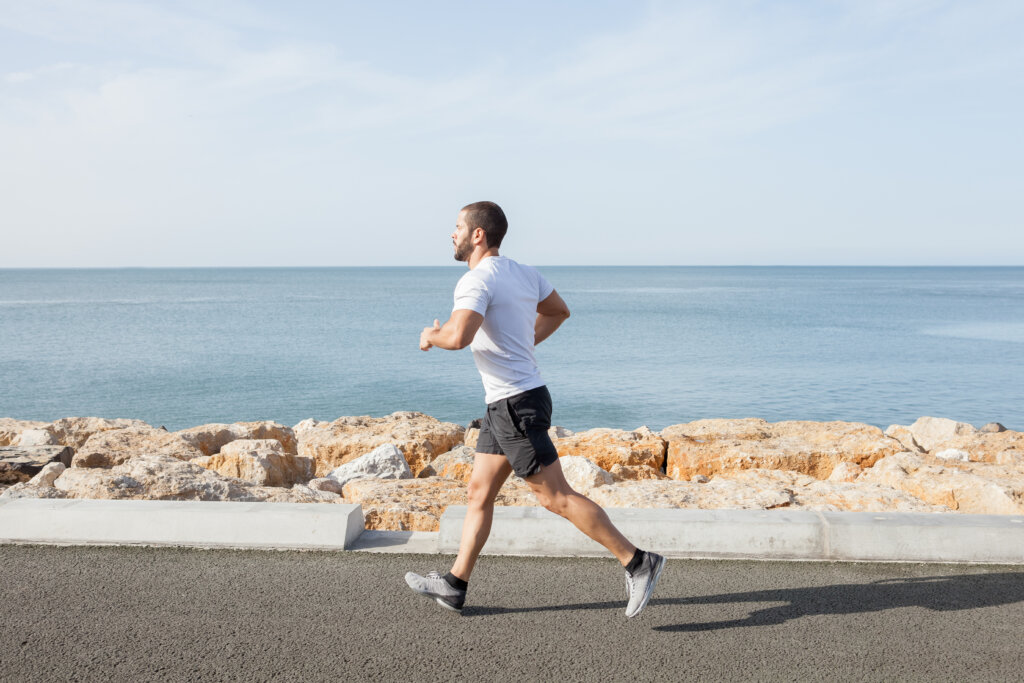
455 334
551 313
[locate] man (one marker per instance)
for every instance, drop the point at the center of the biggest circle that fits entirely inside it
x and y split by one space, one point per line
502 310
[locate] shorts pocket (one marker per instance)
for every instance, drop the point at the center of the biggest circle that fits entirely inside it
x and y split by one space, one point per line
530 411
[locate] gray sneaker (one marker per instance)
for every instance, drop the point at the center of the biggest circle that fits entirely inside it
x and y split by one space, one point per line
640 584
435 587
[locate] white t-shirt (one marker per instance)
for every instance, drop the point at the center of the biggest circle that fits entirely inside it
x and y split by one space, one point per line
506 294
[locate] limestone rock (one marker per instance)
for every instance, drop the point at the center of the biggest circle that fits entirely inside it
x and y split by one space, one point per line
405 504
36 437
152 477
845 472
75 431
905 437
609 447
929 432
48 474
980 488
681 494
296 494
472 434
635 473
582 474
114 446
326 484
1005 448
455 464
384 462
559 432
210 439
712 447
992 428
20 463
420 437
260 461
29 490
953 454
10 428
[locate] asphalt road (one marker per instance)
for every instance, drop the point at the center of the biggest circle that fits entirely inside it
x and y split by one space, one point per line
131 614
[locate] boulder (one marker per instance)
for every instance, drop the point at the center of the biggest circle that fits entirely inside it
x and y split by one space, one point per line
609 447
929 432
635 473
260 461
383 462
681 494
10 428
115 446
845 472
326 484
405 504
36 437
1004 448
455 464
712 447
582 474
210 439
30 490
296 494
152 477
992 428
420 437
48 474
20 463
905 437
980 488
472 434
75 431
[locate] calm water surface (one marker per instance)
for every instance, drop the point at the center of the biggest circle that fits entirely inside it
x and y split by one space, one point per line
654 346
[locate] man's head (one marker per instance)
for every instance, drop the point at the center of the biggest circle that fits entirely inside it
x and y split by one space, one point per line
484 216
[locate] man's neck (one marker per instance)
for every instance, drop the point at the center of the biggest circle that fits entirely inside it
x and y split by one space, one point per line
477 256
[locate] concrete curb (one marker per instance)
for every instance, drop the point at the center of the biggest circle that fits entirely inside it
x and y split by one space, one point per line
181 523
760 534
734 534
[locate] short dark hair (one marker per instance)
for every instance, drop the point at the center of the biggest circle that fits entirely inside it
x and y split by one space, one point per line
491 218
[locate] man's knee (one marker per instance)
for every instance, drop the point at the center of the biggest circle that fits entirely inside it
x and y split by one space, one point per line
479 494
557 502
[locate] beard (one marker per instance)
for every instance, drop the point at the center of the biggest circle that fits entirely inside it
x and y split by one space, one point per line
462 251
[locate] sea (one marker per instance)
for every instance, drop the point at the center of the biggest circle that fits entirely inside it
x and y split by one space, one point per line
654 346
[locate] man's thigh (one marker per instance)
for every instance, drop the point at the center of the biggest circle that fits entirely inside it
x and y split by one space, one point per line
490 470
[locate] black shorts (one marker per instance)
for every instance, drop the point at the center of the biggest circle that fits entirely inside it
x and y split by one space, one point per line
517 427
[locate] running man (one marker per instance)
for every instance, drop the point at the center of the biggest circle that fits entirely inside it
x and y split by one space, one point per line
502 311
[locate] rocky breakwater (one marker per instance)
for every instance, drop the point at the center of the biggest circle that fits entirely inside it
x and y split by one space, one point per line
406 468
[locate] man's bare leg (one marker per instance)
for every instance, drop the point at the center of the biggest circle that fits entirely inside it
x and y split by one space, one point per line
554 493
489 472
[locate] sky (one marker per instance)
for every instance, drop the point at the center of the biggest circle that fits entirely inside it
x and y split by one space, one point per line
335 133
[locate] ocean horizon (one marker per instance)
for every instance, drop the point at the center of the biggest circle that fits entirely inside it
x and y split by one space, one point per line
646 345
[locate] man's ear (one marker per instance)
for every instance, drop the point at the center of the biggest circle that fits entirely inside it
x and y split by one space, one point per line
483 235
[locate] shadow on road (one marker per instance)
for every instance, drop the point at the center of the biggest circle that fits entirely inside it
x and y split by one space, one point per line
940 593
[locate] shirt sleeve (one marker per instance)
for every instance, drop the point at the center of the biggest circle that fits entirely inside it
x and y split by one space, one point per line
471 294
544 287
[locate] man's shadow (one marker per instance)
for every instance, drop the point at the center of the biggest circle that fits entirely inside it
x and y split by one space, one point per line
939 593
